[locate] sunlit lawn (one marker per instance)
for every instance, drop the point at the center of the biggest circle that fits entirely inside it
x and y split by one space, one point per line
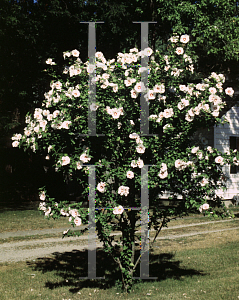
34 220
198 267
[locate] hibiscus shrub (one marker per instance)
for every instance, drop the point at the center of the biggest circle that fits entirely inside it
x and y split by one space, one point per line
179 102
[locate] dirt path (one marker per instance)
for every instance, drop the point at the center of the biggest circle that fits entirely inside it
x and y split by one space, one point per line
39 248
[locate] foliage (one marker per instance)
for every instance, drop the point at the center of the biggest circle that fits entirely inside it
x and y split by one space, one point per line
177 108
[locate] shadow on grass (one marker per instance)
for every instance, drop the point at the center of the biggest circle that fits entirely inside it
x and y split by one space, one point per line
70 266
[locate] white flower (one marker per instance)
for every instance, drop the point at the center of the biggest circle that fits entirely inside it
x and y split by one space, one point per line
85 158
189 118
50 62
140 148
77 221
42 195
166 68
58 85
15 144
229 91
132 122
219 160
76 93
65 124
130 174
147 51
133 135
123 190
128 81
118 210
115 113
47 212
42 206
166 127
90 68
163 167
206 107
163 174
180 164
200 155
66 54
212 90
99 55
55 113
160 117
101 187
134 164
174 39
168 113
194 150
66 231
75 53
94 107
79 165
140 163
64 212
159 88
204 181
153 117
179 51
134 94
134 50
184 39
150 95
74 213
115 88
205 206
180 106
65 160
139 87
183 88
209 149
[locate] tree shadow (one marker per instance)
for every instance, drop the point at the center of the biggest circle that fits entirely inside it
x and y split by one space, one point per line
72 266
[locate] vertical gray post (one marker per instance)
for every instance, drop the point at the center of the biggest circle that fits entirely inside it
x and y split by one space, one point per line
144 114
92 229
91 82
144 251
144 219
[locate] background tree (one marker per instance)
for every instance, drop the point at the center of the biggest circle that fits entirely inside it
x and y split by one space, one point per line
32 31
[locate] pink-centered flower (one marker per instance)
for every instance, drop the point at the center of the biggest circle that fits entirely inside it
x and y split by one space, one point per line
77 221
65 160
184 39
130 174
75 53
179 51
219 160
101 187
229 91
123 190
118 210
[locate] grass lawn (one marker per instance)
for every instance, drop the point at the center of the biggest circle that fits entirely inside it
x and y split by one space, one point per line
198 267
33 220
28 220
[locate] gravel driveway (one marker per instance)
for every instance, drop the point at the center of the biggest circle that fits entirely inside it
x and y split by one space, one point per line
42 247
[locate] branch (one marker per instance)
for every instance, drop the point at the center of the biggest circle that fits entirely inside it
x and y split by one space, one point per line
157 233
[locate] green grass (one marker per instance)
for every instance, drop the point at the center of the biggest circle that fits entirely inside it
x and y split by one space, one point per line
201 267
28 220
33 220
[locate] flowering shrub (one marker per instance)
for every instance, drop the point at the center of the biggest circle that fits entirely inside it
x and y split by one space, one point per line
179 104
